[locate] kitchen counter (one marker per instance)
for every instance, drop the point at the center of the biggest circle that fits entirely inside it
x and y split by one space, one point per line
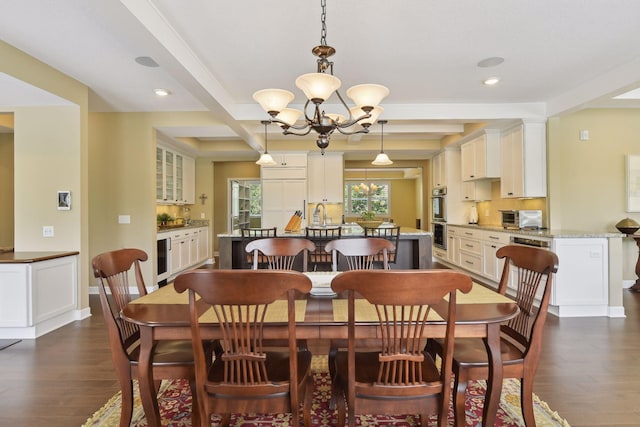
562 233
414 247
31 257
173 227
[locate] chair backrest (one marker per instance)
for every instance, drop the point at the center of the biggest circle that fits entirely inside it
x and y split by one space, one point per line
279 253
240 308
531 269
403 301
390 233
250 234
360 253
112 269
320 237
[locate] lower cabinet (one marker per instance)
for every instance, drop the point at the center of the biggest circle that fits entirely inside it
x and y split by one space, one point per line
471 250
188 247
491 242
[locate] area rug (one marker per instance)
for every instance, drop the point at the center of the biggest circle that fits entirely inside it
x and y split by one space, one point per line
175 408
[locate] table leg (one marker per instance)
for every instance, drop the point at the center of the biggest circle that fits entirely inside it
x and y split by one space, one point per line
494 381
145 378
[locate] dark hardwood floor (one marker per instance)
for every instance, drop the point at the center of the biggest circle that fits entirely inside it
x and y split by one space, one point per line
590 371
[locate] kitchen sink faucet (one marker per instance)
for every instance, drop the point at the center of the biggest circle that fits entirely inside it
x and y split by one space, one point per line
316 214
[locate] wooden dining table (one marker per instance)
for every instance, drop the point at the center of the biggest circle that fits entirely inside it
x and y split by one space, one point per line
163 315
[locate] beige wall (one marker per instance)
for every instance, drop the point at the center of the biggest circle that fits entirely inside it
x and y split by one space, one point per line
587 178
122 179
59 132
6 189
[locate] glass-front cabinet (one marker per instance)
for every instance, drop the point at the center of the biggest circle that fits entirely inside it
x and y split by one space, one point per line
173 181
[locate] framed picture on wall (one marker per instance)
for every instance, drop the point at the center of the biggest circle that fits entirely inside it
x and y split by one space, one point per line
64 200
633 182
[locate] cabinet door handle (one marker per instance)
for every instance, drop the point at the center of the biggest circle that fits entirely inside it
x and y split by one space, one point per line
494 237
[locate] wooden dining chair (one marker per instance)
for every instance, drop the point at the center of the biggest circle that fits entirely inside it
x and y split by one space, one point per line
250 234
530 270
280 253
399 377
360 253
247 377
392 234
171 359
319 259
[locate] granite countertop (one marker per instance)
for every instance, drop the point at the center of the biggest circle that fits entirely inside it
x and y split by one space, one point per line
193 224
560 233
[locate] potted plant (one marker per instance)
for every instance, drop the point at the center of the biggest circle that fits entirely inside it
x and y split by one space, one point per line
368 220
164 218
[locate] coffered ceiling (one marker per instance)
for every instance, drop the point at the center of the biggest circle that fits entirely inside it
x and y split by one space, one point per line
212 56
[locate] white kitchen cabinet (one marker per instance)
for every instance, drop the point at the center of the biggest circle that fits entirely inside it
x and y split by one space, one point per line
491 242
203 243
581 285
480 157
175 177
280 199
524 161
438 175
288 160
476 191
325 178
453 244
470 250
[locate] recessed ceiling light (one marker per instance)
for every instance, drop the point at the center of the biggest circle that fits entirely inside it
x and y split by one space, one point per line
147 61
491 62
491 81
162 92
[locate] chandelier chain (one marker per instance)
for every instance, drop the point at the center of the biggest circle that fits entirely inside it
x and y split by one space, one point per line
323 20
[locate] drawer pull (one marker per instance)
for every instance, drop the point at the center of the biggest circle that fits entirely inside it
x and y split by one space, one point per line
494 237
468 245
469 262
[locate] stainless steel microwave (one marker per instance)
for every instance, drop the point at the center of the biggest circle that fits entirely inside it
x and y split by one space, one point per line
521 218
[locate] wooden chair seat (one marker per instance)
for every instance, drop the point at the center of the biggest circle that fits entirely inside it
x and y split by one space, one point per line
171 359
532 270
247 377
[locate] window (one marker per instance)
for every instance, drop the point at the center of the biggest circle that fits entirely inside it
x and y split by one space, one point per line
361 197
255 197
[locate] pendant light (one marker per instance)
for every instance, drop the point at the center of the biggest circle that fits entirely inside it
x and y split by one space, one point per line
382 159
265 159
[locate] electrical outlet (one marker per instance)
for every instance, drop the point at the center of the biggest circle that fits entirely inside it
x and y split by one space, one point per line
486 212
47 231
201 215
124 219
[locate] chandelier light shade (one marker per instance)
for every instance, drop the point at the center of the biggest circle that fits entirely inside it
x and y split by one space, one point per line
265 159
382 159
318 87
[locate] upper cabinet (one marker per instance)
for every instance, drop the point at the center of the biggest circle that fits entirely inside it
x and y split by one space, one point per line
480 157
524 161
439 176
175 177
288 166
476 191
325 177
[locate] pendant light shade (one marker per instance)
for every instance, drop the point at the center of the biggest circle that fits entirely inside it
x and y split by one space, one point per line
382 159
367 95
289 116
265 159
273 100
318 87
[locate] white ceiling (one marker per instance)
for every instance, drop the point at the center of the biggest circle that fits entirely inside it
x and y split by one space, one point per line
559 56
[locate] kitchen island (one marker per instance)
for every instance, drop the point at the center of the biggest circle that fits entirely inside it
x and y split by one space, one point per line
38 292
589 278
413 252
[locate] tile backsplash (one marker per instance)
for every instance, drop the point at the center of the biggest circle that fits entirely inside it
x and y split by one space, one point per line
492 207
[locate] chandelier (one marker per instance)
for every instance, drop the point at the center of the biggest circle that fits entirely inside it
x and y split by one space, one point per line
318 87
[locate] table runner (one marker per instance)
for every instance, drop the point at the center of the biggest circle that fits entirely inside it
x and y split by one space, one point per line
366 312
276 313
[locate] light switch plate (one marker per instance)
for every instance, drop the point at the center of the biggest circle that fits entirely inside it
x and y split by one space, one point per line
124 219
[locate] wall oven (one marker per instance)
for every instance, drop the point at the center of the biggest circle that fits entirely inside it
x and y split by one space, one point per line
438 204
163 258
